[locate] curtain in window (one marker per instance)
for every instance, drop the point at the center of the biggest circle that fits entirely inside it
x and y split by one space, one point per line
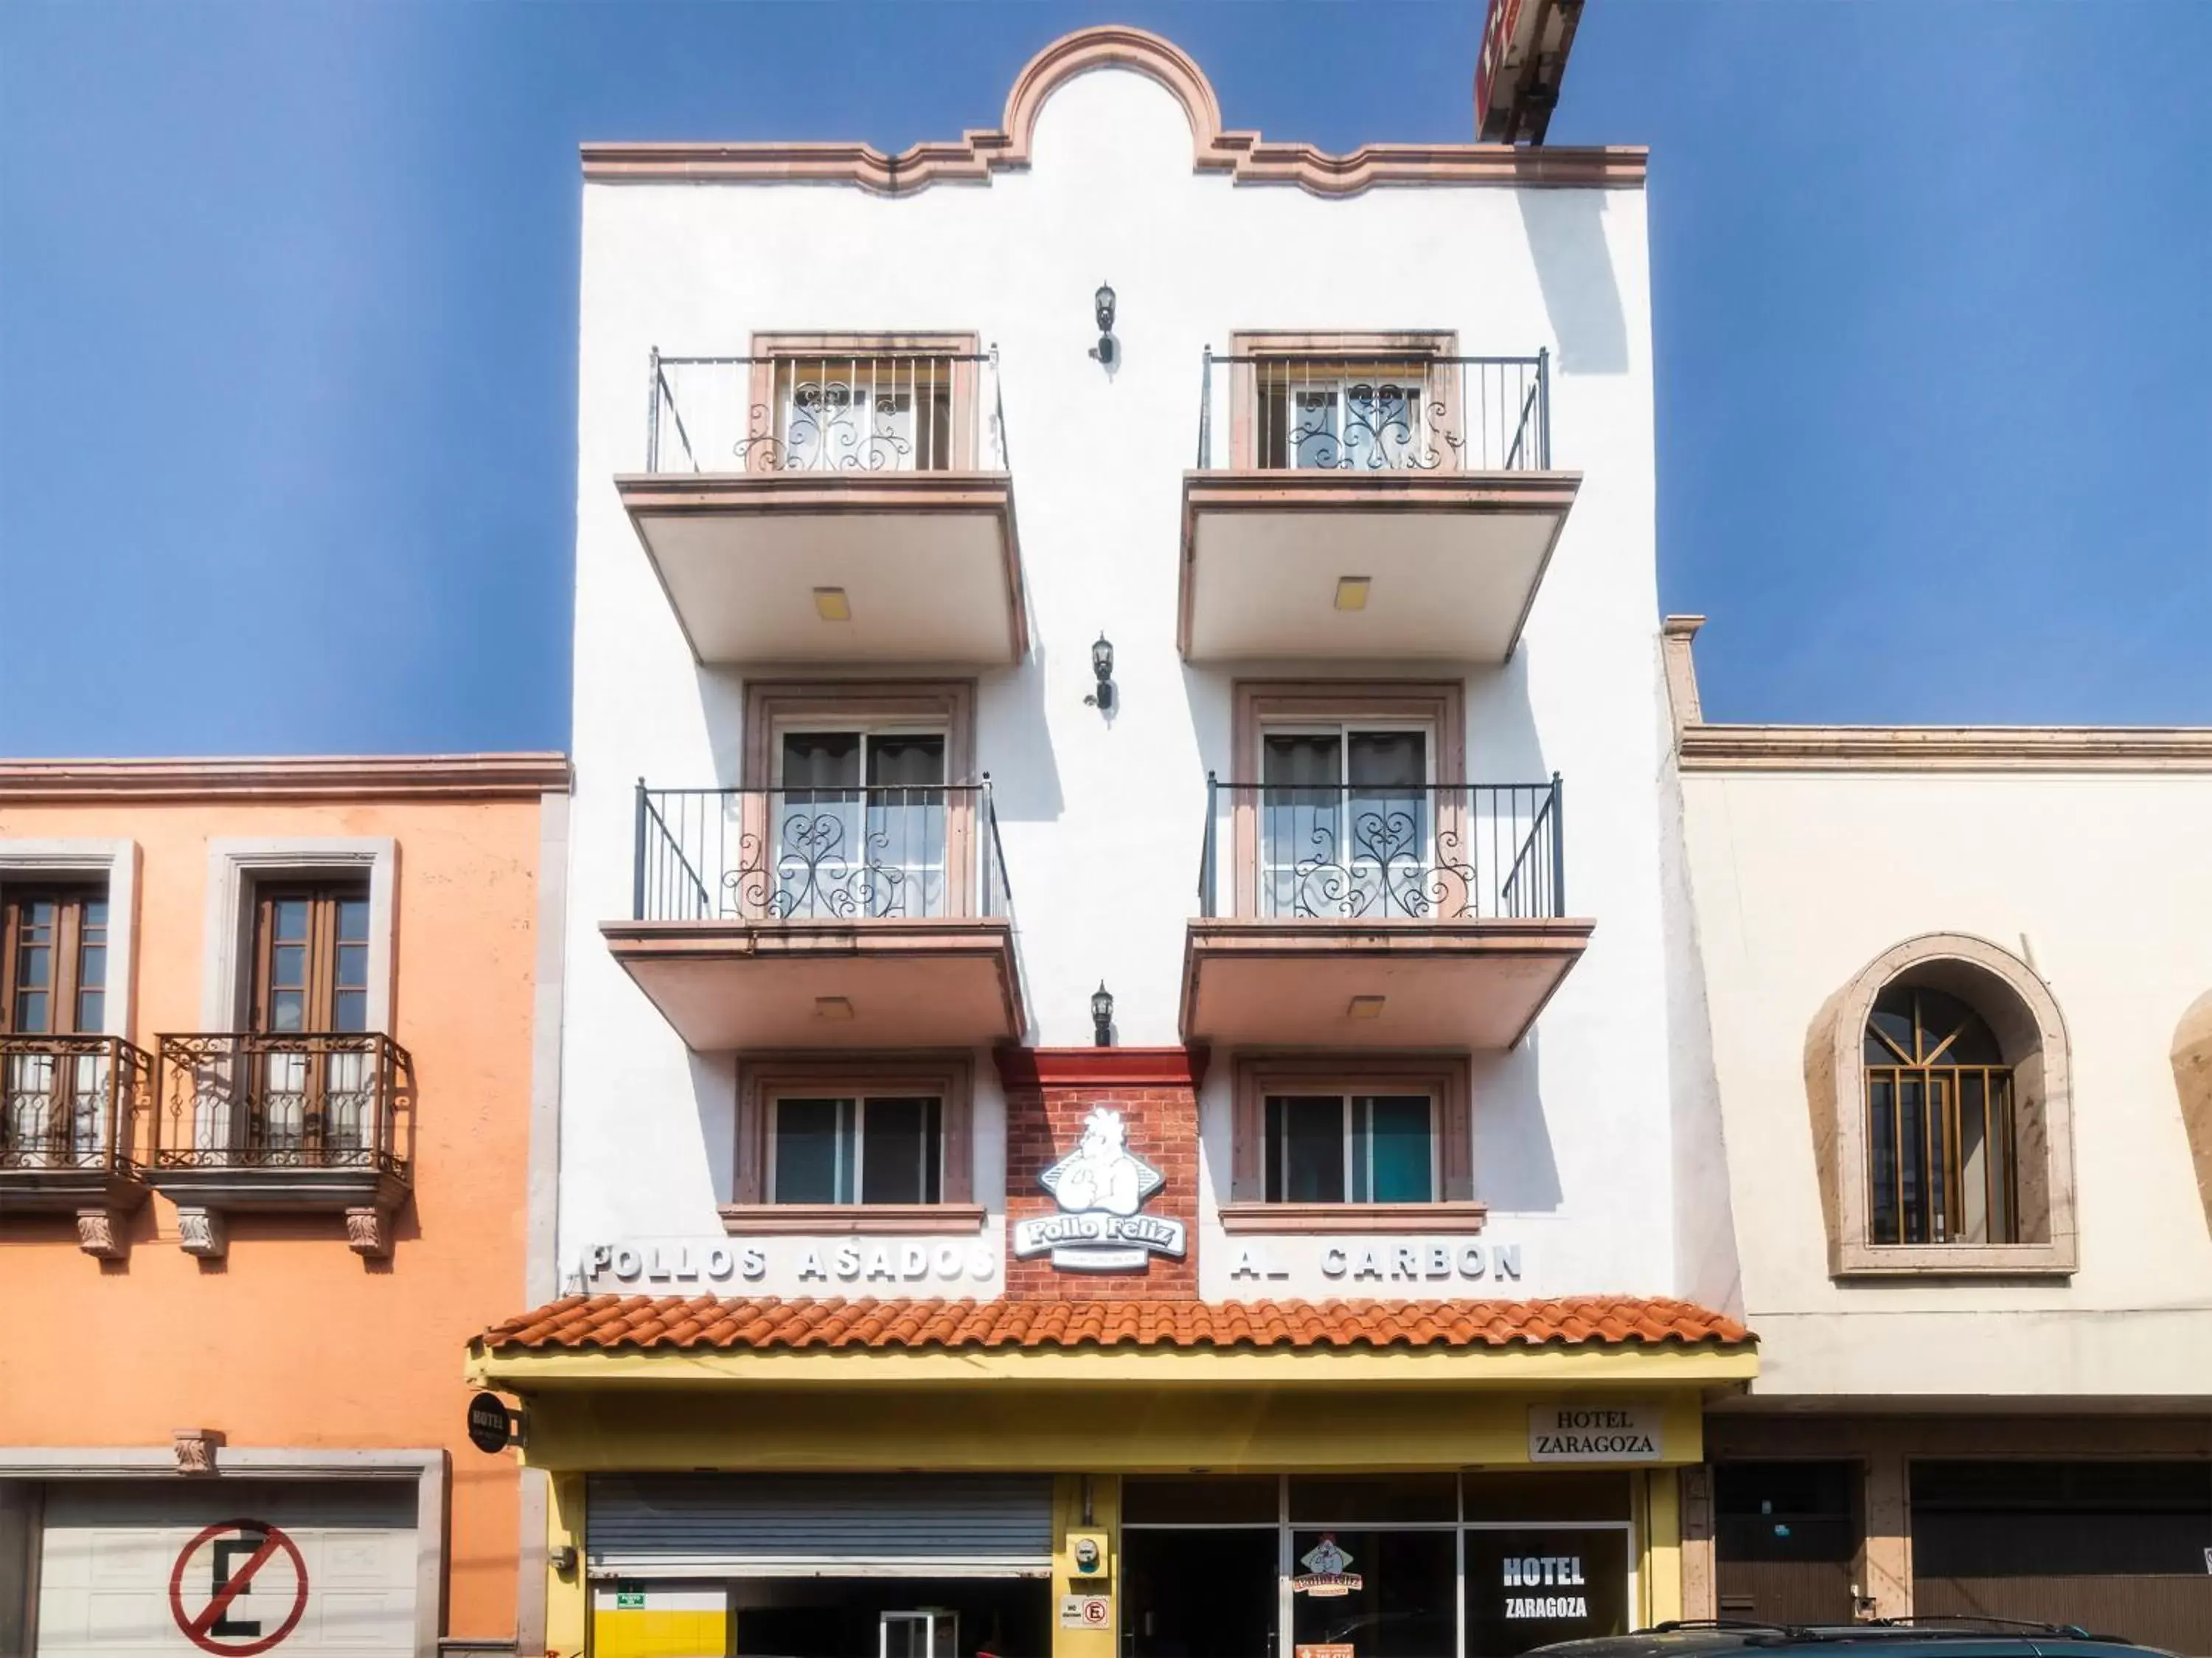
859 825
1346 824
1402 1160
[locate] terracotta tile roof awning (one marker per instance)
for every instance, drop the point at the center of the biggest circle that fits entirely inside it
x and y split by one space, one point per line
621 1323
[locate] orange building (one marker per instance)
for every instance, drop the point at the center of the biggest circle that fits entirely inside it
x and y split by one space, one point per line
275 1081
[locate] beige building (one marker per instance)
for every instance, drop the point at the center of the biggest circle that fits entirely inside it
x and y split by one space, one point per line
1957 995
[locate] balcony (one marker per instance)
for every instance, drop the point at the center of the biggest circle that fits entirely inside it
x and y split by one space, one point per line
283 1121
833 508
69 1110
1413 917
823 918
1368 505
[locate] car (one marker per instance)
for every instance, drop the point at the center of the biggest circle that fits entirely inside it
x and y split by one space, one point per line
1882 1637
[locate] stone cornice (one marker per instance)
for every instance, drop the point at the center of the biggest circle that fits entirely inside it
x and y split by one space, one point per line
1247 157
341 777
1945 748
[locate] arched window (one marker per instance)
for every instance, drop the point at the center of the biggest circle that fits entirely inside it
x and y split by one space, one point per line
1942 1152
1942 1116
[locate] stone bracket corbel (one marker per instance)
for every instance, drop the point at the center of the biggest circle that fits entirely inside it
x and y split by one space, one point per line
368 1233
102 1233
201 1233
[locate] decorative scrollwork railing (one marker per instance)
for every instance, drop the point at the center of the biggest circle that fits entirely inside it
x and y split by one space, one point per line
1384 852
254 1099
850 411
879 853
71 1102
1368 411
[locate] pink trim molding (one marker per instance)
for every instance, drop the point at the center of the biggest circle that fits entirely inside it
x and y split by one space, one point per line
1247 157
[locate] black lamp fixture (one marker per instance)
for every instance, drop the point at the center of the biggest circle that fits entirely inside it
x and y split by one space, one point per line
1102 668
1102 1016
1102 304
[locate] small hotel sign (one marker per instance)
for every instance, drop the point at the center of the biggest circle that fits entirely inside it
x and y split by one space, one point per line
1583 1433
1099 1186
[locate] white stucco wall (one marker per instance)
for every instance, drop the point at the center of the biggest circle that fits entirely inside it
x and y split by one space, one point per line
1101 816
2100 882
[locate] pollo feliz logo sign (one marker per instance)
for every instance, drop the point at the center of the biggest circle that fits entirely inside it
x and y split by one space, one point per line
1100 1187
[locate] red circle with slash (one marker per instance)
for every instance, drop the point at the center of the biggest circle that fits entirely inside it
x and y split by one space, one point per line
213 1628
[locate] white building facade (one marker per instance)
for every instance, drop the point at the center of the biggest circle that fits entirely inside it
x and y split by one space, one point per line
1124 862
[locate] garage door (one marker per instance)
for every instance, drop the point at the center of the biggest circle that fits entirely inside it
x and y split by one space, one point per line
2120 1548
816 1525
184 1568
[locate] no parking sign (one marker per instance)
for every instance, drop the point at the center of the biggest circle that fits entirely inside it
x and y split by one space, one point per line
238 1587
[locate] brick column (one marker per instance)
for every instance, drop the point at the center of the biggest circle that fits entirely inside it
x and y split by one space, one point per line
1050 1092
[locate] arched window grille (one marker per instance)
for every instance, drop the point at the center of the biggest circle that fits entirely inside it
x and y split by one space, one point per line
1942 1152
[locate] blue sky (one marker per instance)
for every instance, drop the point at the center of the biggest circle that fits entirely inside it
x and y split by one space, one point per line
288 296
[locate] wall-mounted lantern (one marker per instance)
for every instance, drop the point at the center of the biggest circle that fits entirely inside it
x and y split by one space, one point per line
1102 1016
1101 304
1102 669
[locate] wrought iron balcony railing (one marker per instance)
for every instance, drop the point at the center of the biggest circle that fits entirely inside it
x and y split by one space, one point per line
288 1101
71 1102
1366 412
1384 852
839 413
863 854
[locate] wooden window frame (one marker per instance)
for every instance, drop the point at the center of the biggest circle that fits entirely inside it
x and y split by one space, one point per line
110 865
771 349
69 896
774 706
949 1076
1444 1077
1943 1084
1348 349
237 868
322 895
1438 705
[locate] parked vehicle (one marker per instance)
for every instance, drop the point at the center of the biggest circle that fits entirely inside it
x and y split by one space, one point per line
1888 1637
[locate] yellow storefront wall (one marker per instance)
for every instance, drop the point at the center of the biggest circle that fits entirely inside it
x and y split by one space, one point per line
643 1414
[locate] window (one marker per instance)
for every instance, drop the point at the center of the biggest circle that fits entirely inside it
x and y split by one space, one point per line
823 1144
311 1094
1344 402
53 982
1359 1149
1939 1103
1347 822
1353 1143
311 958
867 1150
856 412
859 821
1348 802
1348 416
1939 1083
1387 1566
863 403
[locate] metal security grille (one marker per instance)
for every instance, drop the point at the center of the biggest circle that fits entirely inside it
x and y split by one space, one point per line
819 1525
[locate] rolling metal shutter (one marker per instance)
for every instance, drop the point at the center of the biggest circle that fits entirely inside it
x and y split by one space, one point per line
819 1525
